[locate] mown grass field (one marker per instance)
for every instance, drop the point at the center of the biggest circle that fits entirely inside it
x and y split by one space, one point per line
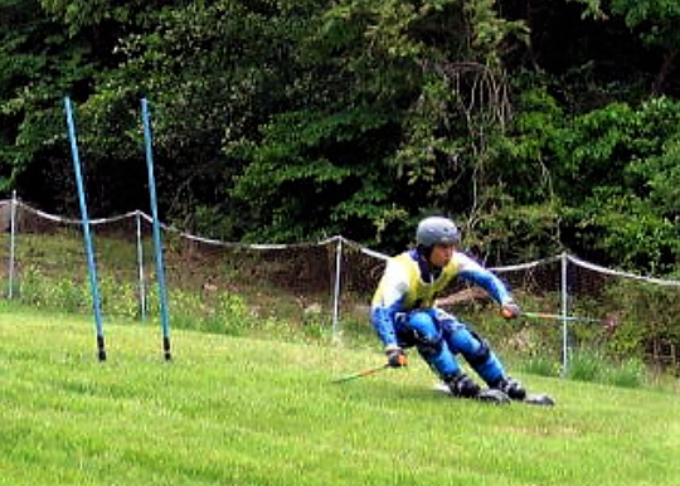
234 411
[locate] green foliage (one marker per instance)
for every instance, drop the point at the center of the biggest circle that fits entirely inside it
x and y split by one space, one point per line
227 315
648 316
655 20
330 153
585 365
38 290
609 175
313 161
42 290
592 366
540 366
371 112
630 373
83 15
511 232
385 114
632 232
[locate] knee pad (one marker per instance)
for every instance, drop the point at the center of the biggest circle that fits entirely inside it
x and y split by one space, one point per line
427 336
481 355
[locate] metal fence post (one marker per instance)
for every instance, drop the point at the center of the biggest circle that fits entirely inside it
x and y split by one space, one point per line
564 294
336 288
140 267
12 244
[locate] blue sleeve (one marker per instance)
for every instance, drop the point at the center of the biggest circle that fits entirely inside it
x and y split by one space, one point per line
384 320
489 282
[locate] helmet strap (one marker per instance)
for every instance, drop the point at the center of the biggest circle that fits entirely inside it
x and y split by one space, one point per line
425 251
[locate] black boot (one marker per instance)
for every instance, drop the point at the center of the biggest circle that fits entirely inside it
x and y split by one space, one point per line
463 386
511 388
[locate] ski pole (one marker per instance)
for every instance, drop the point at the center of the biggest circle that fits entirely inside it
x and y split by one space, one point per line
362 373
609 322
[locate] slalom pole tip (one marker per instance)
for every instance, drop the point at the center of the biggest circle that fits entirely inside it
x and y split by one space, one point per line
101 348
166 349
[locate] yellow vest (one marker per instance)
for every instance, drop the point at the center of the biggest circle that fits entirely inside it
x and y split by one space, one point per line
421 294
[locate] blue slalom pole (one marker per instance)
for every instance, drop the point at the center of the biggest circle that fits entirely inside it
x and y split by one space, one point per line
92 267
160 266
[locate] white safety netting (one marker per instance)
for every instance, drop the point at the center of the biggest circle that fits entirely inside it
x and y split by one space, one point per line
325 284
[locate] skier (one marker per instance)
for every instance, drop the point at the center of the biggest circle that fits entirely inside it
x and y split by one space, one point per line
404 314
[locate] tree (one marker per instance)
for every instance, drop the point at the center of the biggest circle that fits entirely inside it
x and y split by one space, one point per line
413 89
655 21
51 49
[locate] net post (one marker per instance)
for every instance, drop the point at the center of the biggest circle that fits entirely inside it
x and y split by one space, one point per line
564 295
336 289
12 244
140 267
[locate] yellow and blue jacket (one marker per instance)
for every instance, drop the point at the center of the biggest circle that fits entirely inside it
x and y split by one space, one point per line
408 284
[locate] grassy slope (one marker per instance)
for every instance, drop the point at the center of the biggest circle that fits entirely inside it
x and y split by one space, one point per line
242 412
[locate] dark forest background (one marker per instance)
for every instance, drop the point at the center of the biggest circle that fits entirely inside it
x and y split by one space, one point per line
538 125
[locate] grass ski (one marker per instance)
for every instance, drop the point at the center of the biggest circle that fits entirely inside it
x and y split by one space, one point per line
490 395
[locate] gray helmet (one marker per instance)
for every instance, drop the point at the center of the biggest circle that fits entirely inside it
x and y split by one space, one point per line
436 230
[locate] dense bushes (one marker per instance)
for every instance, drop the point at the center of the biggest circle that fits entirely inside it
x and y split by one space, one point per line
289 120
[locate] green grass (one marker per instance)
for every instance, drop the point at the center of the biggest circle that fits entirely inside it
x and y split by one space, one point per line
234 411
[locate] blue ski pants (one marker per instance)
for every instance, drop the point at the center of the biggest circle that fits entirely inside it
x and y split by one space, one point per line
440 338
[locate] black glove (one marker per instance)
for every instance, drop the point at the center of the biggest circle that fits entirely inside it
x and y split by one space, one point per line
396 358
510 310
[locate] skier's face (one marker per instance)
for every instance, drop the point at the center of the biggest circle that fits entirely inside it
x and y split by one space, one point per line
441 255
